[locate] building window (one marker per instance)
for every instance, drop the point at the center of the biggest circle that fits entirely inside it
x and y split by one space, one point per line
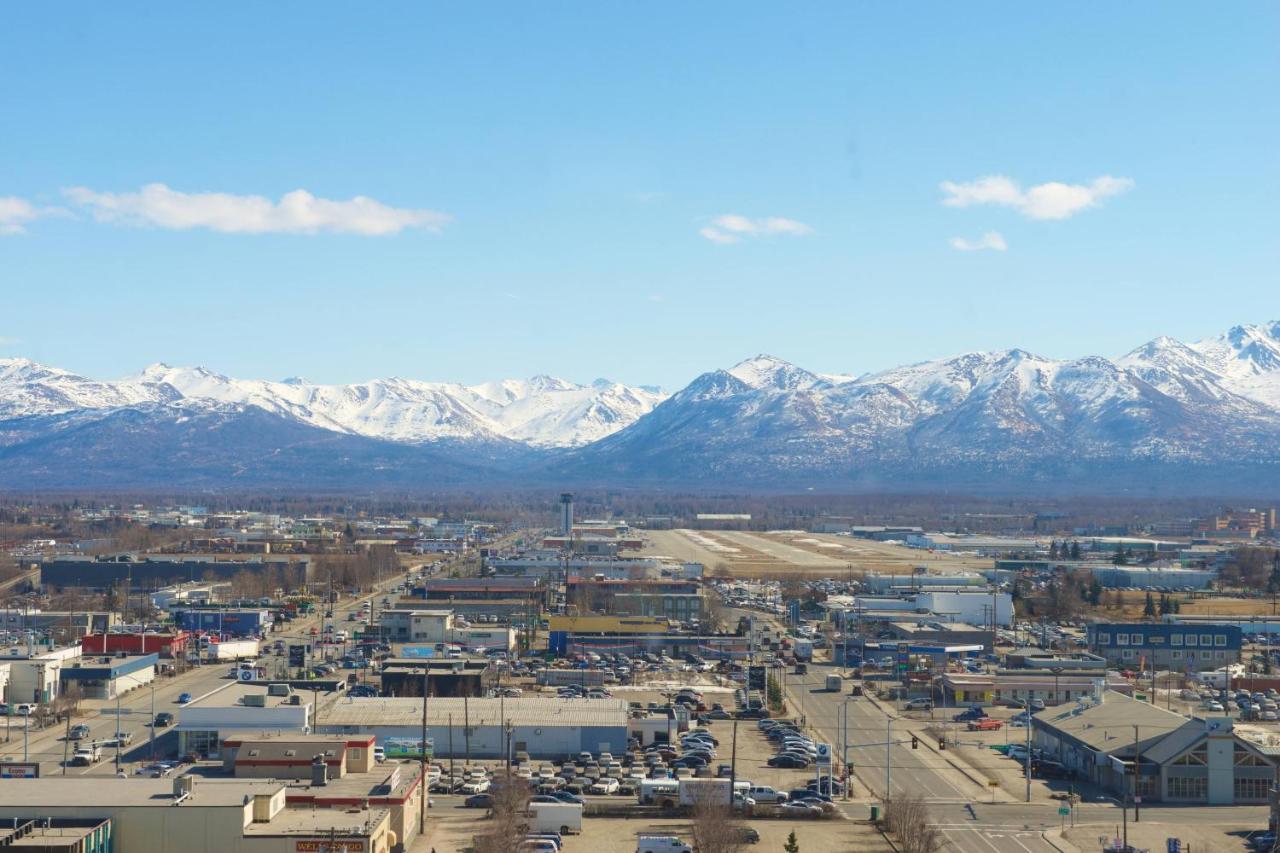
1188 787
1220 640
1251 789
1127 654
1104 639
1204 655
1135 639
1175 639
1220 655
1176 654
1122 639
1206 639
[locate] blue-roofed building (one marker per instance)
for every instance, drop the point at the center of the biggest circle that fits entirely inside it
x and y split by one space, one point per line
108 677
1166 646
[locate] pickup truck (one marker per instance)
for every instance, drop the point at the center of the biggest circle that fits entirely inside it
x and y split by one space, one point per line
985 725
86 755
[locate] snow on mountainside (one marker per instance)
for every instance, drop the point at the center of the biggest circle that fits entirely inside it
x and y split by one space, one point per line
542 411
980 416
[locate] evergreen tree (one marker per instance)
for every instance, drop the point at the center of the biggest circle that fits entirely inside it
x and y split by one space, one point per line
1053 549
1095 592
792 846
1149 609
1075 550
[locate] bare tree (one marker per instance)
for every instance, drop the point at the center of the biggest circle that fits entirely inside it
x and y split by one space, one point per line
907 819
509 815
715 826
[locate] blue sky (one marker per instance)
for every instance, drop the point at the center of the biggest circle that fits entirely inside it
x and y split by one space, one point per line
639 191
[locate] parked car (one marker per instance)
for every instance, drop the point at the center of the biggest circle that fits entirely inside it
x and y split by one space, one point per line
162 720
919 705
483 801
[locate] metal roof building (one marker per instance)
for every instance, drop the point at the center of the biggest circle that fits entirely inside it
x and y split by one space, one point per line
545 728
1179 760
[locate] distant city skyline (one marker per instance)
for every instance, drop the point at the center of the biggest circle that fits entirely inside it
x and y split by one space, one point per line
448 194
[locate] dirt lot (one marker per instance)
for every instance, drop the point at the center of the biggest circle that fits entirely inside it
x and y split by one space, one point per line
1131 603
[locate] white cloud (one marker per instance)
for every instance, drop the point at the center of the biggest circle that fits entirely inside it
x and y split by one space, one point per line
1053 200
297 212
992 241
732 228
16 212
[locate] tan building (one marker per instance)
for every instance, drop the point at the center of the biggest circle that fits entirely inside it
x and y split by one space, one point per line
292 756
199 815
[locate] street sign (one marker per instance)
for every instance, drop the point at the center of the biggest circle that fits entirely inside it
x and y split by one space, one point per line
1172 845
1064 810
993 783
824 755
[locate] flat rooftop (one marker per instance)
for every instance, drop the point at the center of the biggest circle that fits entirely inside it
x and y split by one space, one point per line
232 693
531 711
359 786
320 822
30 796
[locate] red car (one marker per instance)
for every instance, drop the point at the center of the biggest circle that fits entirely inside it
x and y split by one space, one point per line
985 725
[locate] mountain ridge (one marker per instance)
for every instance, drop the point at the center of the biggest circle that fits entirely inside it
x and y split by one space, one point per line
1165 413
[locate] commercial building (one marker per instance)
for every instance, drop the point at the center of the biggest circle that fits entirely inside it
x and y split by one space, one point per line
457 677
166 645
544 728
224 621
1166 646
190 814
948 633
1137 748
294 756
1007 687
406 624
35 675
240 708
109 677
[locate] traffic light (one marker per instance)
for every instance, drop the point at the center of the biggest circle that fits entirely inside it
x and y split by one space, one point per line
942 744
915 742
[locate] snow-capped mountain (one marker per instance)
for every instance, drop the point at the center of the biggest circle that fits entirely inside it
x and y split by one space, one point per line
540 412
1008 417
1167 416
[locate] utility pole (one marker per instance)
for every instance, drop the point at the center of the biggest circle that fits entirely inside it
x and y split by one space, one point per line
733 764
153 718
1137 767
888 745
422 765
1028 758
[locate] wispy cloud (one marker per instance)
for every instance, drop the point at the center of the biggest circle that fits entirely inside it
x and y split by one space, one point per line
297 212
1053 200
732 228
16 212
991 241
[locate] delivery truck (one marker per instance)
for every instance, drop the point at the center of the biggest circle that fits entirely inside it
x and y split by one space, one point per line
231 650
661 844
834 683
804 650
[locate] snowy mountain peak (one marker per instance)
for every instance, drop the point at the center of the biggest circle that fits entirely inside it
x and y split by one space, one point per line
770 372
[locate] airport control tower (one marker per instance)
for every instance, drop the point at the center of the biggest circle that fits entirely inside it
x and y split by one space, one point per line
566 514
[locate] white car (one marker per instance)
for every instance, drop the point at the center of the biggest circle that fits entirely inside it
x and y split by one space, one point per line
476 786
606 785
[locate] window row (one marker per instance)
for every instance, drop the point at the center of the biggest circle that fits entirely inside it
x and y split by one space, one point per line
1219 640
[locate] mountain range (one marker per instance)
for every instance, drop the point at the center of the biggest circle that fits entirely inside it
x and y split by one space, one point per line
1165 417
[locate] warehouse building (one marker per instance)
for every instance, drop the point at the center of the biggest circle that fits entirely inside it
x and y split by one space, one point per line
1178 760
544 728
241 708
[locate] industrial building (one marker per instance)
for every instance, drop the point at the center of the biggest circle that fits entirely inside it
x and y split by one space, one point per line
1152 577
456 677
544 728
67 625
224 621
156 570
1178 760
916 581
35 672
